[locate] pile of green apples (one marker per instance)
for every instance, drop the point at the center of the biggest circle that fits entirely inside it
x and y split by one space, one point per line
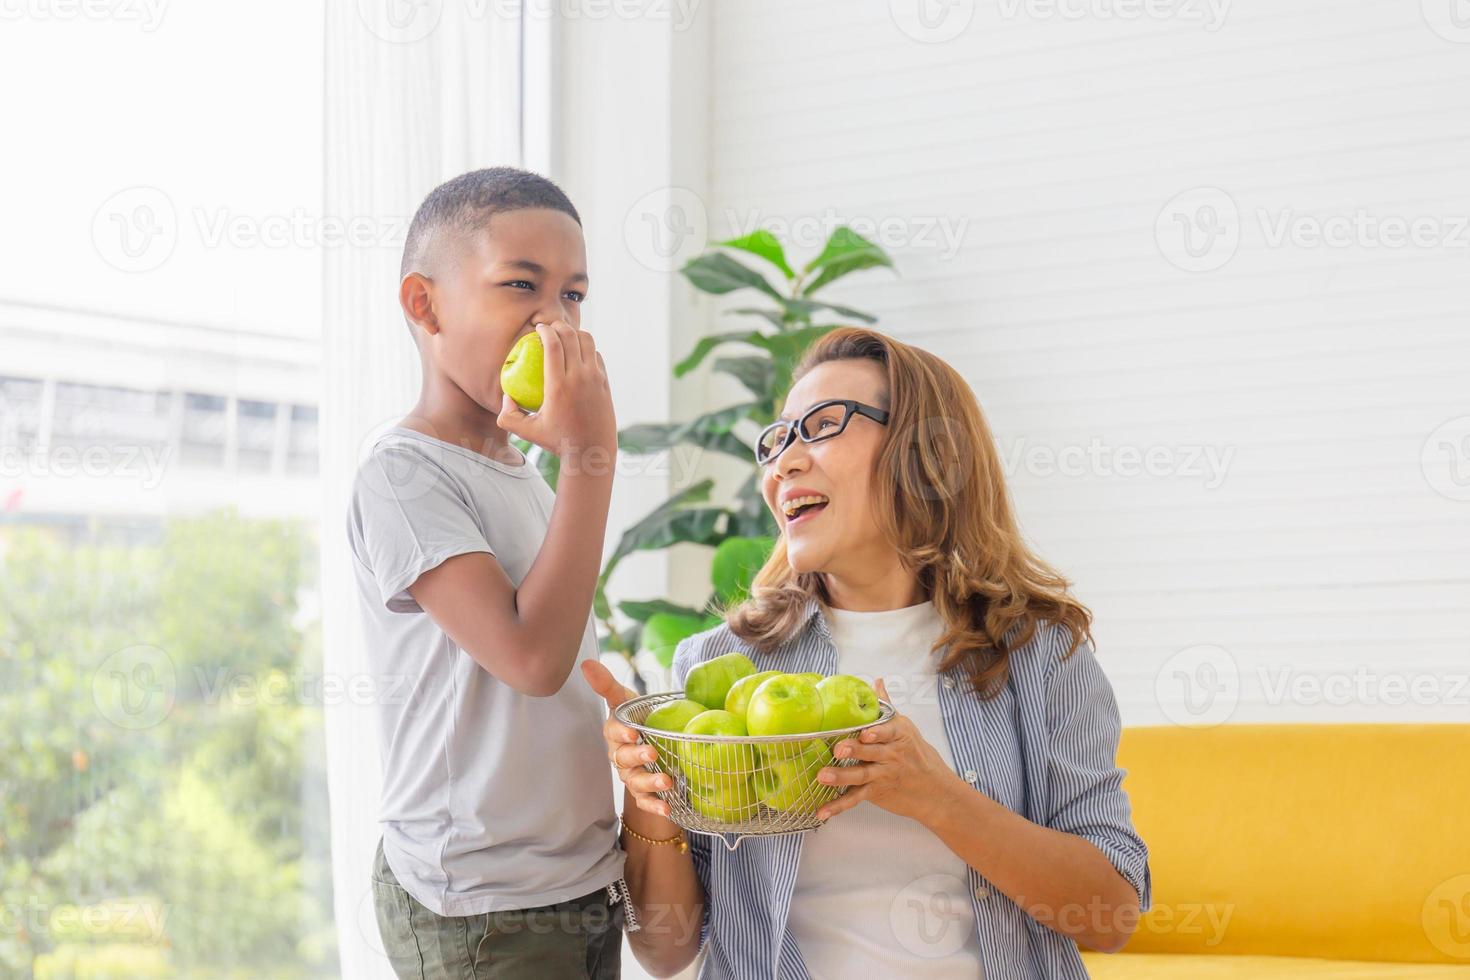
728 696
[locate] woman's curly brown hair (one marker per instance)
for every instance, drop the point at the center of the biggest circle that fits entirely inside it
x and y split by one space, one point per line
948 515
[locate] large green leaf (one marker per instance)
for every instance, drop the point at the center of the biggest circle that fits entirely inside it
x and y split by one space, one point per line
663 631
766 372
786 350
669 522
766 245
752 518
717 273
801 308
640 610
734 566
756 373
846 251
773 316
753 524
710 431
624 641
707 344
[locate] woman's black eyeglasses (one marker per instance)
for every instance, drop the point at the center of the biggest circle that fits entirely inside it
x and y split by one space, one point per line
822 421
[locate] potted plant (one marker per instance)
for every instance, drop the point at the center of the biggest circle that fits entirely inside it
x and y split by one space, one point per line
762 360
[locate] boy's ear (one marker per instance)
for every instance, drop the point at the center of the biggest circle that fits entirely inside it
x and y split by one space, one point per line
416 296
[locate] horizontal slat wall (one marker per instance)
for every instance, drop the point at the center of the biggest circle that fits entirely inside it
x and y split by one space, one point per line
1318 541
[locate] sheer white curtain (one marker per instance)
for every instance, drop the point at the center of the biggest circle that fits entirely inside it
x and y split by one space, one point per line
415 93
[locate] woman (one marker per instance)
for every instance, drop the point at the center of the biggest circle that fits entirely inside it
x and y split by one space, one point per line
984 831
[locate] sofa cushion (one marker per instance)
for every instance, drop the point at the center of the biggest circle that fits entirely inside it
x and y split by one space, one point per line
1142 966
1343 842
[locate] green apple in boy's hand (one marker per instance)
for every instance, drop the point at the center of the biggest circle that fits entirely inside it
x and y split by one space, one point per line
728 801
847 702
710 682
671 717
786 704
738 700
706 762
782 784
522 377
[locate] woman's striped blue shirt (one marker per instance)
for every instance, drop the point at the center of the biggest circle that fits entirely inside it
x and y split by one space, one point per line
1045 746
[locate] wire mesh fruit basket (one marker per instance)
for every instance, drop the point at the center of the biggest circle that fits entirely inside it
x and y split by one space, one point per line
741 785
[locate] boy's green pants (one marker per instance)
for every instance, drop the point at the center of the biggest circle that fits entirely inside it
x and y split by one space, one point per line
582 938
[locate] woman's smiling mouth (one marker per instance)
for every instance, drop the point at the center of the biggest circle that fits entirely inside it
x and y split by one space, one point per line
804 508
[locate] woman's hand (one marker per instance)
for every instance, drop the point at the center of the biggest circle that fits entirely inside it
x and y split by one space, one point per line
623 750
898 770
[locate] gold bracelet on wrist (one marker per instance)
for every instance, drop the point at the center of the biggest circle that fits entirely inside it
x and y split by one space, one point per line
676 839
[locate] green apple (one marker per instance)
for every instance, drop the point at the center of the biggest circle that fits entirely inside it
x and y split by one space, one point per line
707 763
778 752
728 801
671 717
781 785
738 700
710 682
812 676
847 702
522 376
786 704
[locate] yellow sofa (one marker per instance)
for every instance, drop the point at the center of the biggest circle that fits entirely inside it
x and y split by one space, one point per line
1306 850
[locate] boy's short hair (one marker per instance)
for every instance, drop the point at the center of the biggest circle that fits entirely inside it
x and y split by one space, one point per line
459 207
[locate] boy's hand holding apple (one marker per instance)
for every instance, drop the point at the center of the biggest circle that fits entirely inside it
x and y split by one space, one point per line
574 418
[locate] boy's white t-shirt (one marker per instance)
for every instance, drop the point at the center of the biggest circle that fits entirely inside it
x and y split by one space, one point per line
491 799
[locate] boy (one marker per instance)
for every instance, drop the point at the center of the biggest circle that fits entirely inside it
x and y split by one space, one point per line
499 853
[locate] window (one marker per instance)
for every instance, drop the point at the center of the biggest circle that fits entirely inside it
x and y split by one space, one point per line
255 438
202 441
